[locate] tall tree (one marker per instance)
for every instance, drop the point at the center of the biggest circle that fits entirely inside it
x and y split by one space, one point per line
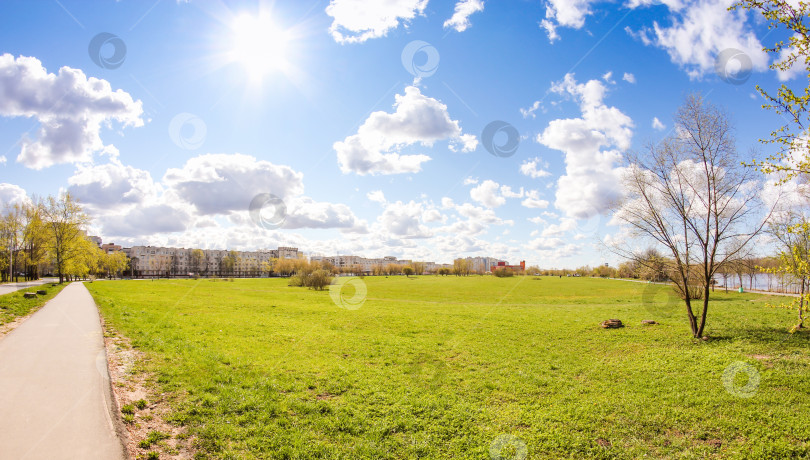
793 157
11 229
65 221
792 231
690 196
34 239
197 259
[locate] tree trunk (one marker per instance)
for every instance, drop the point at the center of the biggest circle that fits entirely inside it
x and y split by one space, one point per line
801 305
703 314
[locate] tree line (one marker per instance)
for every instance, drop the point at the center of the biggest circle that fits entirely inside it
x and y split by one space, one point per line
45 236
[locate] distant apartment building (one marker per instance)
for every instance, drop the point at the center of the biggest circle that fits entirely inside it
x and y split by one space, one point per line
109 248
150 261
367 265
482 264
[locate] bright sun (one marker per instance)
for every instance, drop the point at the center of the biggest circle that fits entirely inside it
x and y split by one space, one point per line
258 45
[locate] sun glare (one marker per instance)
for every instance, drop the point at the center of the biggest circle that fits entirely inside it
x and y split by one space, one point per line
258 45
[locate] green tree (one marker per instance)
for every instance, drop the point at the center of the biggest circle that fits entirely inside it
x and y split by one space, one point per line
793 235
197 259
34 241
407 270
793 157
229 262
11 232
65 222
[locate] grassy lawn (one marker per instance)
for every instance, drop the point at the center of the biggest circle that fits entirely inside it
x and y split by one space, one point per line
13 305
472 368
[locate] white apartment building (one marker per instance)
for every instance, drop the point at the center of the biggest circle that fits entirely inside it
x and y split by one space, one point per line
148 261
482 264
366 265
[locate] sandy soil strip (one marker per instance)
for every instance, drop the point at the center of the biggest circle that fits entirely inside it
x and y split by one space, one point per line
130 387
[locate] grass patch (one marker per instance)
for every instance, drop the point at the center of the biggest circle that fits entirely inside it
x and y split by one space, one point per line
13 305
447 367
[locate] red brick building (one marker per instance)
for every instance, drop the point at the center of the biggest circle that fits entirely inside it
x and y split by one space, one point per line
520 267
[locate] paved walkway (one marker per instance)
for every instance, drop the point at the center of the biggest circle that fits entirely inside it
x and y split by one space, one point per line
55 399
11 287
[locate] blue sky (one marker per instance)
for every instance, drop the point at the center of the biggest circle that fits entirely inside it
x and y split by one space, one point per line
373 148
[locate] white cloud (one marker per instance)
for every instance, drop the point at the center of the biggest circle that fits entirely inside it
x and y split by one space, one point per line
417 119
111 185
492 195
533 200
221 183
566 13
530 168
465 142
355 21
304 212
69 107
376 196
629 77
10 194
488 194
543 244
699 31
477 220
591 180
148 220
464 8
126 202
404 220
656 124
2 159
530 111
470 181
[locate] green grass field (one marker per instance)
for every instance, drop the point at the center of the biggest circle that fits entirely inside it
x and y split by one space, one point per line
466 368
13 305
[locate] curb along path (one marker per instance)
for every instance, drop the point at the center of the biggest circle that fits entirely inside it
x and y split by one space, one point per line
55 397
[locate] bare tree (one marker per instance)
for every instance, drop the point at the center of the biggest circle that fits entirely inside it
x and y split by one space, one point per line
690 196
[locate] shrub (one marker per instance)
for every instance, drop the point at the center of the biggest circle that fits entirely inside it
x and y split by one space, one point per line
296 281
319 279
316 279
503 272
